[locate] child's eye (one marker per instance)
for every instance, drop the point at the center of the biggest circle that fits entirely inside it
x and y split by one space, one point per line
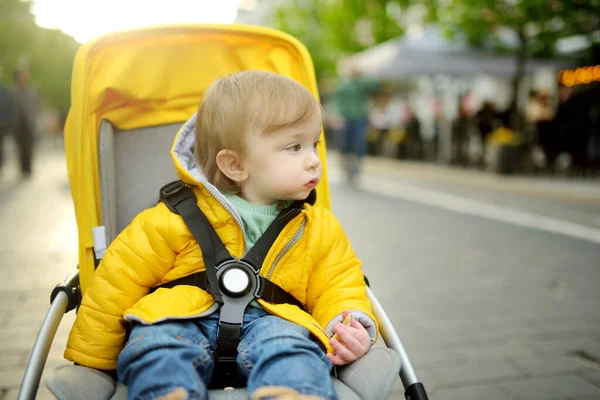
315 144
295 147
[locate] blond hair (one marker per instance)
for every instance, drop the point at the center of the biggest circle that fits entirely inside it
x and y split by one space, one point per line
241 104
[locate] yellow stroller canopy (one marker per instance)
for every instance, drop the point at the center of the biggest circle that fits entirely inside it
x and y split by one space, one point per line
156 76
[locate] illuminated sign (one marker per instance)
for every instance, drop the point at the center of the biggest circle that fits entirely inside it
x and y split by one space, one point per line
579 76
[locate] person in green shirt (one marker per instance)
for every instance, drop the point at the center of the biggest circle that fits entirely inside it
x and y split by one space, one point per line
351 104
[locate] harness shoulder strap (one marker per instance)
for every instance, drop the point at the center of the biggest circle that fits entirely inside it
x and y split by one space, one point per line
256 255
180 199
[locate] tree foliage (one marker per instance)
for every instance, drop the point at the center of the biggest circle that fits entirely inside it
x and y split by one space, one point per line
333 29
47 53
536 24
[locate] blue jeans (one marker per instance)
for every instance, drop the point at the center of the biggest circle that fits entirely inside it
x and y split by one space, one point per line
159 358
352 140
353 146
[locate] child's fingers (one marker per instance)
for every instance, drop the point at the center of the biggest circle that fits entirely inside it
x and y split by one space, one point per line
361 333
343 352
348 339
345 316
355 324
335 359
346 320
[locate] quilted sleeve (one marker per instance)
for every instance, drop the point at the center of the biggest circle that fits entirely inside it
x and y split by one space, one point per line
135 261
336 282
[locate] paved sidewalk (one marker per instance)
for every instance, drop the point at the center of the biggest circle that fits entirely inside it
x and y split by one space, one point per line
573 200
38 249
487 309
573 189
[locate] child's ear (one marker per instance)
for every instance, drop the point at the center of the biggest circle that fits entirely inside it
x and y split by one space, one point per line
230 163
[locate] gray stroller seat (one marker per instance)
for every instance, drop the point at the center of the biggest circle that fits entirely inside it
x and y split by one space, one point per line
143 162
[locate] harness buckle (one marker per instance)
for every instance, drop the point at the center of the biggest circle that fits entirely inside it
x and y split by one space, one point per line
235 281
171 189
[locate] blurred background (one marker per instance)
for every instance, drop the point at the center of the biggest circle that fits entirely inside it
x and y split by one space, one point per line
464 135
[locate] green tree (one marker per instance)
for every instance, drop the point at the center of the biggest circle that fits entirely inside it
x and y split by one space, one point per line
47 53
17 30
537 25
52 56
333 29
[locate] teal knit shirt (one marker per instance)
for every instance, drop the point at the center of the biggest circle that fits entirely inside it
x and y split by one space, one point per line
256 219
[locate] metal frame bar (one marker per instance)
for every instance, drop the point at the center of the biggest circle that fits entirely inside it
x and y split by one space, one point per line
408 375
41 348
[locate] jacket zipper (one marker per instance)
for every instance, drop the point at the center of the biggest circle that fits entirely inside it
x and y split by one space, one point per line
288 246
319 327
231 211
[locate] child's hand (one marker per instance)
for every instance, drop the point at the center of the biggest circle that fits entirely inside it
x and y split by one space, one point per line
350 342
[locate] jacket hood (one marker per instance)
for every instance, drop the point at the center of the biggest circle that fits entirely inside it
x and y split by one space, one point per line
182 153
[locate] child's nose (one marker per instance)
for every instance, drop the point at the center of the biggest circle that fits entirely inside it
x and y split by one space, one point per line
313 161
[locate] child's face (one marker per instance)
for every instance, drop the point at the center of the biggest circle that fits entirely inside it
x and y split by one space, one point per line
284 164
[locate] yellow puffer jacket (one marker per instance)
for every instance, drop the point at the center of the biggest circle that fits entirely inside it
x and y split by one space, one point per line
320 269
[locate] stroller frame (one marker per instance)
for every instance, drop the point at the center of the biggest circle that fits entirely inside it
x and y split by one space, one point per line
102 107
66 296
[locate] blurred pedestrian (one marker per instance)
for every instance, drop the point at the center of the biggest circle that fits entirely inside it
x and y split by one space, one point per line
487 119
380 121
26 119
351 101
460 136
574 126
6 114
540 115
414 142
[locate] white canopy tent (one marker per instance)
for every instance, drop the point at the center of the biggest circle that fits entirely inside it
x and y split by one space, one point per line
431 53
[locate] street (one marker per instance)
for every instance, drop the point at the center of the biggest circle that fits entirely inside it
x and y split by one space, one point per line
492 283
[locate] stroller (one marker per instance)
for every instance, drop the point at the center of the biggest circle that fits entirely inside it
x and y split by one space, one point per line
131 91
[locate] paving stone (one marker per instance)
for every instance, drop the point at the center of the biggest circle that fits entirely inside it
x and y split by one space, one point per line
589 324
557 328
495 352
493 340
496 329
434 357
28 318
11 377
30 332
565 345
548 365
11 360
474 371
552 387
42 394
487 392
26 343
592 377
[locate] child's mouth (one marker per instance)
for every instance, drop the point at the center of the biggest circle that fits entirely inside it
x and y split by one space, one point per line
312 183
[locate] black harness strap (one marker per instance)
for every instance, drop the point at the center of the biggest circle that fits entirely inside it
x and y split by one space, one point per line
268 290
256 255
181 200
